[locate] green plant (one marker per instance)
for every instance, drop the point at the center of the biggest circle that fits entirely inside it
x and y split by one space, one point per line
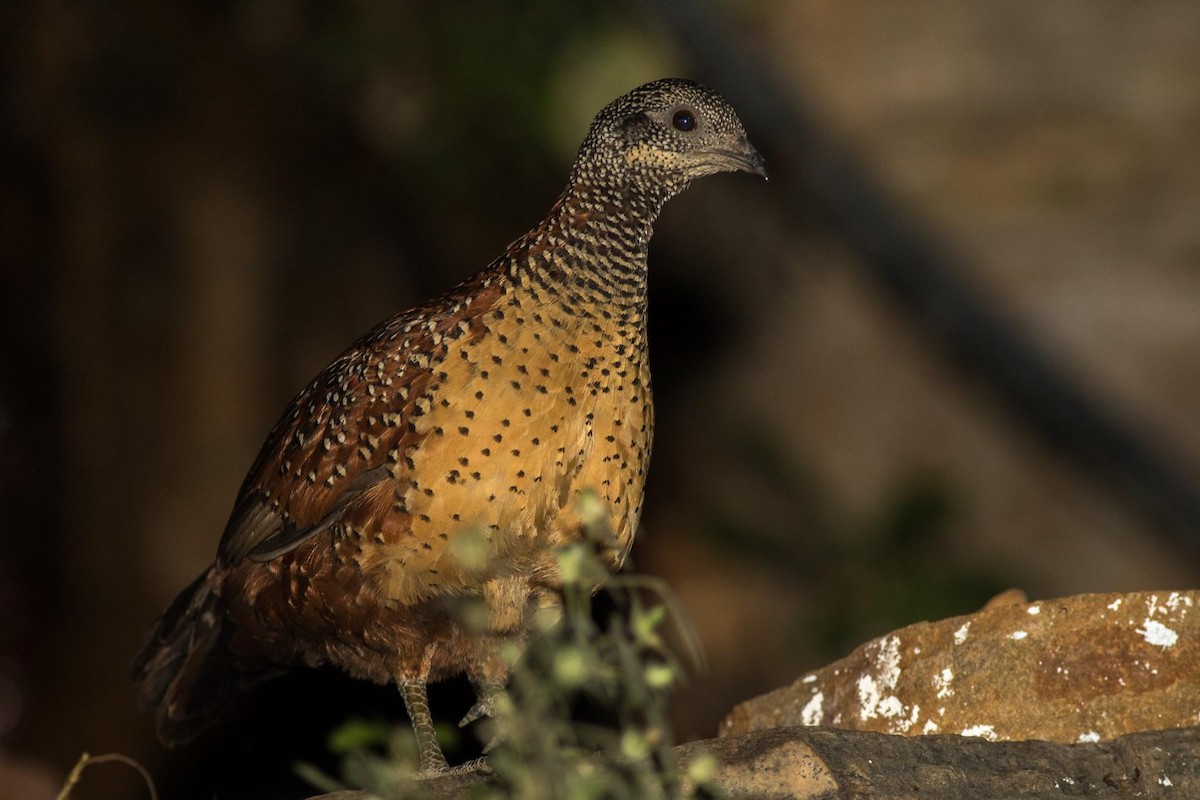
622 663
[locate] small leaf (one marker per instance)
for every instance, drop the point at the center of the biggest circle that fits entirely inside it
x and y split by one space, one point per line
645 623
703 769
472 550
570 667
571 563
634 745
659 676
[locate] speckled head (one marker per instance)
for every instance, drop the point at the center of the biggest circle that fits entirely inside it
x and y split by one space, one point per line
662 135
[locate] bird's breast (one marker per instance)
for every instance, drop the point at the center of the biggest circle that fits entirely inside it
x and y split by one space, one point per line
519 422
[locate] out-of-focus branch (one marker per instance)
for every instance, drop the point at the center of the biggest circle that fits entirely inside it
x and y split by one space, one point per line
806 168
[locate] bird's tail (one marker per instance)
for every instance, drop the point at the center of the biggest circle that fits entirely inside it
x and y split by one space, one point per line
185 674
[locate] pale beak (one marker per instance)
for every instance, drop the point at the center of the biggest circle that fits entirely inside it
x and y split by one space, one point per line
743 157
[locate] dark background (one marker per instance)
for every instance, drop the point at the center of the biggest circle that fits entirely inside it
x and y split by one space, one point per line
201 204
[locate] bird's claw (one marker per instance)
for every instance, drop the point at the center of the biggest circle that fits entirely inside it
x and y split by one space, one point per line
484 707
477 766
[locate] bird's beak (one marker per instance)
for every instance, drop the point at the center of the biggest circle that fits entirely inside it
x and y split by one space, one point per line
742 157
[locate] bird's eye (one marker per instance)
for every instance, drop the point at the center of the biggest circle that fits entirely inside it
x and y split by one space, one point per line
684 120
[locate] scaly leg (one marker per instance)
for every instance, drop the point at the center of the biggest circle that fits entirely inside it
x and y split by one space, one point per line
488 676
416 702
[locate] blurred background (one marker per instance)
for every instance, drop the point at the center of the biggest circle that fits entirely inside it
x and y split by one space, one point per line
202 204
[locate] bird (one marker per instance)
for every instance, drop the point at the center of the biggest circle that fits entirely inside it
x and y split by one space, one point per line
486 412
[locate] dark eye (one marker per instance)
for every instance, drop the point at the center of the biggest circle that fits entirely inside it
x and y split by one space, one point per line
684 120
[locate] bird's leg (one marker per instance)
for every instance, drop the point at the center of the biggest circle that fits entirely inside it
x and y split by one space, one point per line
488 676
416 702
507 602
486 691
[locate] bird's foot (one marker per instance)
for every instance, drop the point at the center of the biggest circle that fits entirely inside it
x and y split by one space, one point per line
432 764
477 766
481 709
485 706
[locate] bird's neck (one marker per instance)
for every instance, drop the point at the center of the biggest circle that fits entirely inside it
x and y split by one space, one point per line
619 217
588 256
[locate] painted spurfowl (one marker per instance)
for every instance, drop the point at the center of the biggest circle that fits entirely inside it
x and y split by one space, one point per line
483 413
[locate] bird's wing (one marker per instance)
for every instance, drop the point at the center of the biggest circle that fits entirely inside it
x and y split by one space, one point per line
349 428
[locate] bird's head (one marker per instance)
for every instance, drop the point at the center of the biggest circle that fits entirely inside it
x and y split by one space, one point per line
662 135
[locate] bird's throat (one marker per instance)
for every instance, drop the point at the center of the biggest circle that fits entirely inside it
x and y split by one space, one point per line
588 258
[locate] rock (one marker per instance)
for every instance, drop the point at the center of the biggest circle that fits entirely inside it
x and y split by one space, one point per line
1076 669
821 763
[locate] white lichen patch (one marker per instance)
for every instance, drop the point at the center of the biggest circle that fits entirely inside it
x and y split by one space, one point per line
1174 606
813 711
1155 633
868 697
1115 604
1033 611
981 731
888 662
809 678
891 707
902 724
1018 635
1163 780
875 696
1176 601
960 635
930 727
943 683
1088 736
